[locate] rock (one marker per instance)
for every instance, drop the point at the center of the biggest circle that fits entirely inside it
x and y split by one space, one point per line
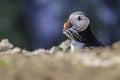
35 52
55 49
65 45
116 45
25 52
15 50
5 45
40 51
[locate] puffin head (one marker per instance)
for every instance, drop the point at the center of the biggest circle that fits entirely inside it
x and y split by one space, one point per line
77 19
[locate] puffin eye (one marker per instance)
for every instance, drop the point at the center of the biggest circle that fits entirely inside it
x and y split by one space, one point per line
79 18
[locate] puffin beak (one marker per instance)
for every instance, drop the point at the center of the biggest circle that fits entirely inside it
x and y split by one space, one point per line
66 25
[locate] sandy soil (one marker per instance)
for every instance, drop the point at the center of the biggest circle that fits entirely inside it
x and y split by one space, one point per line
58 63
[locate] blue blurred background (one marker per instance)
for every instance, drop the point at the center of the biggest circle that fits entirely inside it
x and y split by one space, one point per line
33 24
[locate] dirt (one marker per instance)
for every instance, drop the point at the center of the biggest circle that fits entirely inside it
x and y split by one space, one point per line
59 63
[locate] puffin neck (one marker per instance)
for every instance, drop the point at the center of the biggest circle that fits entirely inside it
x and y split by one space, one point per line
88 37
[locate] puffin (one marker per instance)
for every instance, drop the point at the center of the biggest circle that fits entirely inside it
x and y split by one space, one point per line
77 28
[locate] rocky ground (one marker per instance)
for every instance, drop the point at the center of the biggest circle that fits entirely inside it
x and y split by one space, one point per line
58 63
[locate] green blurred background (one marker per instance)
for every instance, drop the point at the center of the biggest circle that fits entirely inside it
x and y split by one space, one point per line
12 22
33 24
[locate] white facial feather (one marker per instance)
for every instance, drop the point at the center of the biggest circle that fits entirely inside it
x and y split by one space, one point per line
81 24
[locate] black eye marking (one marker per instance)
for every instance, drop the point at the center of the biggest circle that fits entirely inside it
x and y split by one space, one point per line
79 18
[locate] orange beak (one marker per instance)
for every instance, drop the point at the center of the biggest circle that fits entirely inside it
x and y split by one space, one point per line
66 25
